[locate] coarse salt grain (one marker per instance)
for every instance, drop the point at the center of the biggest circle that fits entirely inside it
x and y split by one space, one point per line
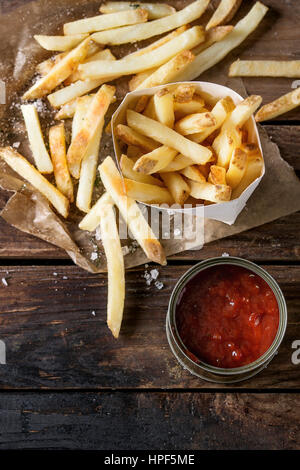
225 255
94 256
4 282
158 284
154 273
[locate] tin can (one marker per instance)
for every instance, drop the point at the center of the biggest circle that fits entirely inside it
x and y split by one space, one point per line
206 371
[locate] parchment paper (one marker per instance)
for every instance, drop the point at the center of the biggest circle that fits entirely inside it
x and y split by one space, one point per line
277 195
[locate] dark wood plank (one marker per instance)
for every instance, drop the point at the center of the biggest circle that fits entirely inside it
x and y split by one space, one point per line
147 421
54 340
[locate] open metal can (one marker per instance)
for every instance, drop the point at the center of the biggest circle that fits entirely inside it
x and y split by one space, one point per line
209 372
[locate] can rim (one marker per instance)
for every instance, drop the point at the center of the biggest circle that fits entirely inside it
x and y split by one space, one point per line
171 321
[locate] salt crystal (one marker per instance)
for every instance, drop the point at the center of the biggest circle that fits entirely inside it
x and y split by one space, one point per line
16 145
94 313
225 254
4 282
55 274
94 256
154 273
159 285
65 277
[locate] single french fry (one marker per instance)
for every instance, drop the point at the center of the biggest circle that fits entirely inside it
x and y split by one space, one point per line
184 93
215 53
92 219
36 140
152 28
196 105
115 269
95 114
213 35
59 43
265 68
237 168
148 193
177 186
165 73
195 123
59 72
220 112
141 104
130 212
194 173
167 136
103 22
242 112
178 163
155 161
88 171
164 107
253 171
282 105
131 137
210 192
155 10
105 54
27 171
57 144
224 13
129 65
160 42
128 171
217 175
224 146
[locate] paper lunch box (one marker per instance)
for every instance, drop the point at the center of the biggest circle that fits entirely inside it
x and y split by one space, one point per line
226 212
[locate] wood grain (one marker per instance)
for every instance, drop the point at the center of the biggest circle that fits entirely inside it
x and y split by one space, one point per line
160 421
54 327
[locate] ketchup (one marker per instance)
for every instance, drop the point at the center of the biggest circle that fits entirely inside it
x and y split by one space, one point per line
227 316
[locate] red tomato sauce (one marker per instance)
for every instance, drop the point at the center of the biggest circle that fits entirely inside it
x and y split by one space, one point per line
227 316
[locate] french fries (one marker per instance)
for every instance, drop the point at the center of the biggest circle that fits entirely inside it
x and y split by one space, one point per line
43 68
95 115
280 106
152 28
164 107
105 54
130 211
265 68
115 268
27 171
177 186
59 43
166 72
167 136
215 53
92 219
36 140
177 163
237 168
131 137
59 72
210 192
102 22
155 161
148 193
82 105
190 107
128 65
195 123
57 144
127 167
224 13
155 10
213 35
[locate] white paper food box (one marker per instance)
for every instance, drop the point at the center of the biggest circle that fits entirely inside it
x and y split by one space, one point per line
226 212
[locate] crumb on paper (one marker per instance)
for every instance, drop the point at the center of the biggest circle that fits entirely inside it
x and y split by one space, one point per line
4 282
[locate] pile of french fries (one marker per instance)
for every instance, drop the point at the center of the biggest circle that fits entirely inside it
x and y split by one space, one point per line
176 146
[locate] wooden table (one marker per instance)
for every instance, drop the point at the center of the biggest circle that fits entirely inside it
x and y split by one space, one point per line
68 384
